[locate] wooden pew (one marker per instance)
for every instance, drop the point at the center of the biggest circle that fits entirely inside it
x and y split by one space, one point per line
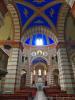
57 94
25 94
32 91
14 97
53 91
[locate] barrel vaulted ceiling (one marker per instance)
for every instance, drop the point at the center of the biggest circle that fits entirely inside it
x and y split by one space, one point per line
39 12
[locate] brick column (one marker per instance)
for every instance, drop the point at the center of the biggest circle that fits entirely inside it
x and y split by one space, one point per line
50 77
15 19
73 64
65 69
28 76
12 79
0 85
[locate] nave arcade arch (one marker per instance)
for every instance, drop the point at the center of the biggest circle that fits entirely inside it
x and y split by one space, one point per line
59 46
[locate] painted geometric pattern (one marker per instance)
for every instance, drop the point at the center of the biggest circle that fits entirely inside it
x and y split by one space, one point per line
34 13
25 13
38 21
39 3
53 12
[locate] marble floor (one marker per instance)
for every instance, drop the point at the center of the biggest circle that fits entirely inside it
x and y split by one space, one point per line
40 95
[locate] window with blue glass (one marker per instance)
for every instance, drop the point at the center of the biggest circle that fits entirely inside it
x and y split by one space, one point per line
39 40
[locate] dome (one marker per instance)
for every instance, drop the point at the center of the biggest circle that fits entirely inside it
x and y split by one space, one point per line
39 40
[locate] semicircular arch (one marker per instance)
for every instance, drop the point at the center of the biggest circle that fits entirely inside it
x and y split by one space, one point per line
15 21
39 29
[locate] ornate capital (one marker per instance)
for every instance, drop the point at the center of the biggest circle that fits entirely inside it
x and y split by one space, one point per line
12 43
61 45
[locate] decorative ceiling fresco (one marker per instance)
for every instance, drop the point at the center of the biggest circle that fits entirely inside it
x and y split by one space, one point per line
39 3
38 12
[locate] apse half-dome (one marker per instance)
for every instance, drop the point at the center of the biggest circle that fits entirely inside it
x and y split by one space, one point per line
39 40
39 60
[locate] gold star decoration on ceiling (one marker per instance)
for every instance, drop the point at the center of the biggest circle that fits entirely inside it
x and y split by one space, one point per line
26 12
52 12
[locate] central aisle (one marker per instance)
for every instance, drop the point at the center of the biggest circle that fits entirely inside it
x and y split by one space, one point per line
40 95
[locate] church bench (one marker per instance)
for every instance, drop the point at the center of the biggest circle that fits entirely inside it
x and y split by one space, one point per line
54 92
32 91
14 97
61 96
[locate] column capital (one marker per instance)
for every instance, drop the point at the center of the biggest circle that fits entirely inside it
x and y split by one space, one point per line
61 45
12 43
66 44
73 10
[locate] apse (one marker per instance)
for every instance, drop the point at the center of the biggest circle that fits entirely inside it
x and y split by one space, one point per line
38 60
39 40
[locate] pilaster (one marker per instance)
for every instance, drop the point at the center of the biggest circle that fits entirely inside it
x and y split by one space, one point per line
50 77
12 79
28 76
65 69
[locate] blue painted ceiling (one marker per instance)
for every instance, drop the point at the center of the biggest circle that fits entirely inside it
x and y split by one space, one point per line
46 40
39 3
38 12
38 60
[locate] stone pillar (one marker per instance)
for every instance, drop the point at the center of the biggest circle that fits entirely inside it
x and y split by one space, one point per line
12 79
73 66
52 83
50 77
28 75
65 69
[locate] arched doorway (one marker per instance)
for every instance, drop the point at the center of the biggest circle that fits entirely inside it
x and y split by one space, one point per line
23 79
56 77
39 70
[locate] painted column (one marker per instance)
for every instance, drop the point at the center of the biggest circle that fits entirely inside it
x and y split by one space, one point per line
73 63
12 79
73 66
50 77
65 69
28 76
28 69
16 23
0 85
